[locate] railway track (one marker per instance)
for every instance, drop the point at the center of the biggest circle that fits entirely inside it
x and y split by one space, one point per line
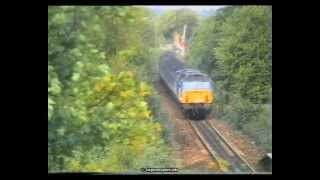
219 148
213 140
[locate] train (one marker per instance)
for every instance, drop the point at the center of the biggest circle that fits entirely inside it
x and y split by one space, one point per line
191 89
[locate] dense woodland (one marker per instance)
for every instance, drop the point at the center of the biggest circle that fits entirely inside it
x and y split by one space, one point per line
234 47
104 113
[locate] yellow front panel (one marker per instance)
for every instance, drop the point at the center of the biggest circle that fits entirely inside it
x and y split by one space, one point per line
197 96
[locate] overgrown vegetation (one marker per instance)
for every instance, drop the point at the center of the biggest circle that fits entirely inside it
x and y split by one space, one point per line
99 115
173 21
234 46
103 111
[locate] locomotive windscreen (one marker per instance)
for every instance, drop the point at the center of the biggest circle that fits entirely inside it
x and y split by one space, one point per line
197 85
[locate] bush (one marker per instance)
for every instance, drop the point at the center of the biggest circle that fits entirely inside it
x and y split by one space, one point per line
252 119
162 117
261 129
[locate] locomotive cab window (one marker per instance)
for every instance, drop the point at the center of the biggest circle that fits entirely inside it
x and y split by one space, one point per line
194 85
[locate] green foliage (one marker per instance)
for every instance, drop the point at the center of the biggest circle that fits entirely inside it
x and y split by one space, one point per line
254 120
234 46
261 128
173 21
118 159
163 117
206 39
54 89
101 120
200 55
244 53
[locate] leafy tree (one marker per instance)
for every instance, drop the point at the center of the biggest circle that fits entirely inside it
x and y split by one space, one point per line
234 46
206 38
244 53
173 21
98 113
